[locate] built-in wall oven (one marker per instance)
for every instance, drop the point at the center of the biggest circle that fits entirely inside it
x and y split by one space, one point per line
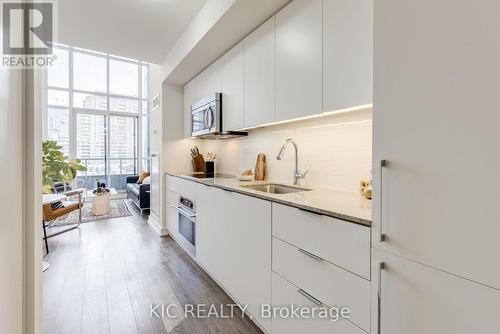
187 224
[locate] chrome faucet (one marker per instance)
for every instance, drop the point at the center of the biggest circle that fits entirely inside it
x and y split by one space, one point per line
297 175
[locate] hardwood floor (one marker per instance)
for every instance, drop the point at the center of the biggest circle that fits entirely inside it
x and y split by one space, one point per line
104 276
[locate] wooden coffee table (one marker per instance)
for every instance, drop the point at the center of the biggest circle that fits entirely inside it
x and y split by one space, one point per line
100 203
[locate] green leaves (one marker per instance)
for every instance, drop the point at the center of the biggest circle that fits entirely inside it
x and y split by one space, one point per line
56 167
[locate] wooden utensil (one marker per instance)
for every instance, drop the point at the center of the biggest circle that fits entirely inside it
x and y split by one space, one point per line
260 167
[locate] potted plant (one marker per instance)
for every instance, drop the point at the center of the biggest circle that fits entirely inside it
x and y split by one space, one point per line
56 167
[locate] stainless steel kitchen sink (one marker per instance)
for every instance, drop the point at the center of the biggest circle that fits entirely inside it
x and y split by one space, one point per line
274 188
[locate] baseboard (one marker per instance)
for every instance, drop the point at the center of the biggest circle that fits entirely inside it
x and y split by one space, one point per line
154 223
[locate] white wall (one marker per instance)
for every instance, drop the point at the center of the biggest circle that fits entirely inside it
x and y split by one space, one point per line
155 128
204 20
176 156
338 147
11 197
20 202
32 200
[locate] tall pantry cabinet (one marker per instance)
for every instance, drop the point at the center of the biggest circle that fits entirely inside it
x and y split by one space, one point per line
436 221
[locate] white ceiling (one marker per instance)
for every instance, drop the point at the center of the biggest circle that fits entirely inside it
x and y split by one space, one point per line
139 29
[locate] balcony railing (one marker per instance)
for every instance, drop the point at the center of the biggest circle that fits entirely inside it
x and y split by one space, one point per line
111 171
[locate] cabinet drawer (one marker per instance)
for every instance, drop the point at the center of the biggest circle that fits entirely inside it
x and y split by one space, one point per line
342 243
185 188
171 198
285 294
331 285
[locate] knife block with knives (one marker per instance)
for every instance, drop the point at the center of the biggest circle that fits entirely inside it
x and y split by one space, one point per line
197 160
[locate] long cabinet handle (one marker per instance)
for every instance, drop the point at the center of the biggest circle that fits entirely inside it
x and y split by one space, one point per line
316 257
184 213
381 267
383 164
311 298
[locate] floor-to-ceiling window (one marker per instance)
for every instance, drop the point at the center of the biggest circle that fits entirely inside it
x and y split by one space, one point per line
97 109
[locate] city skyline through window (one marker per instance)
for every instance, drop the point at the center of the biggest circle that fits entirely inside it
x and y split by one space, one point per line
97 109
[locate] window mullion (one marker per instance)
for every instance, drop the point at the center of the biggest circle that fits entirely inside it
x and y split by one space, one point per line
107 126
139 118
72 116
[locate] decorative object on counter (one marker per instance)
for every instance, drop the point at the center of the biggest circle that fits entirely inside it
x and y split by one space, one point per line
365 187
260 167
211 156
247 175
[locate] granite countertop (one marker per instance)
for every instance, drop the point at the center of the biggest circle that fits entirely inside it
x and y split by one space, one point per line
338 204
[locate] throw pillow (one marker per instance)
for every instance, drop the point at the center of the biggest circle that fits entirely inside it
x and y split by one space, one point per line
142 175
147 180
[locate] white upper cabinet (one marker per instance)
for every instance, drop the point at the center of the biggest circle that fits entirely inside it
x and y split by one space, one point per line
347 53
435 121
190 95
260 75
232 68
312 56
210 81
299 59
416 299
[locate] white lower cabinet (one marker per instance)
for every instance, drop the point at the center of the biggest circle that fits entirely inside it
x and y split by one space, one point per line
211 234
286 294
416 299
312 255
172 213
331 285
345 244
234 246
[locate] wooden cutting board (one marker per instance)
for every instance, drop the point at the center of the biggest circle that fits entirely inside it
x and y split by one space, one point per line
260 167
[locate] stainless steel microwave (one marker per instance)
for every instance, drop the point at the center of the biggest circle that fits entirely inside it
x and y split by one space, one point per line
206 119
206 116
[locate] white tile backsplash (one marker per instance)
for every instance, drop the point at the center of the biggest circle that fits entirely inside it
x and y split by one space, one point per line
338 148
